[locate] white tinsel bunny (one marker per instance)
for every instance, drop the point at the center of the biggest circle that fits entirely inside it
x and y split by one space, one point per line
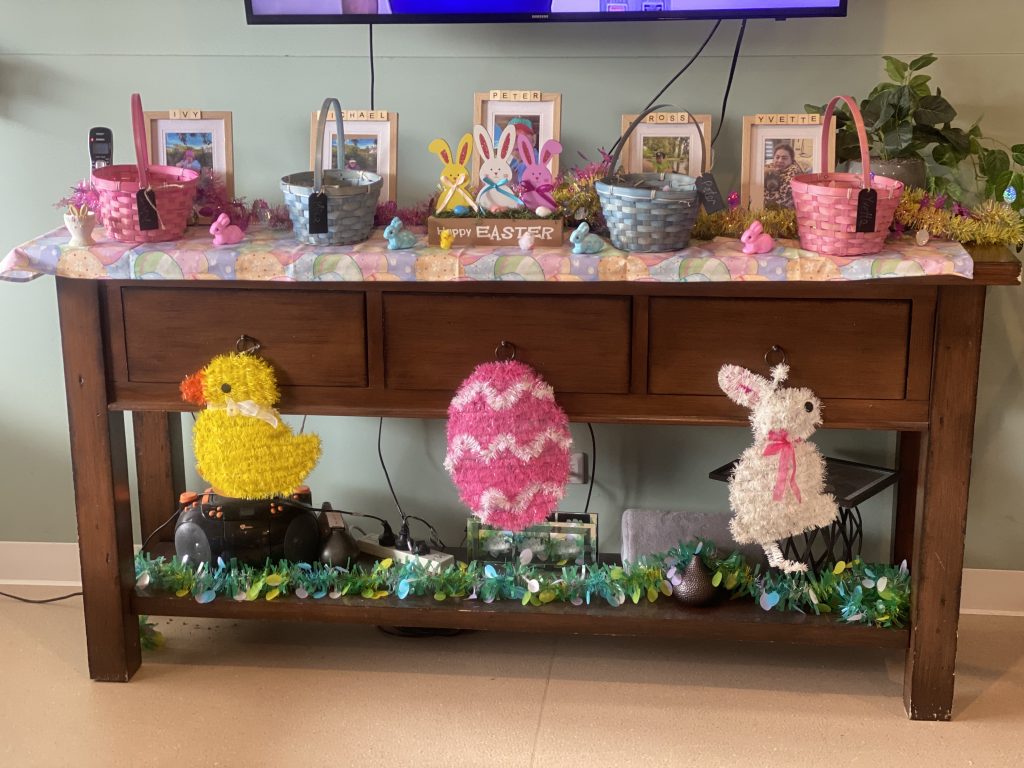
777 488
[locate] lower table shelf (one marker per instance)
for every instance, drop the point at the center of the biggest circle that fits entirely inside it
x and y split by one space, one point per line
664 618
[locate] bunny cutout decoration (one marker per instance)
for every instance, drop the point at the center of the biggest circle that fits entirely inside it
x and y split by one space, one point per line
455 175
777 488
756 240
495 168
536 183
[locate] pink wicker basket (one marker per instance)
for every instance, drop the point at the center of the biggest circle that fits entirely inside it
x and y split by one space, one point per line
826 203
173 188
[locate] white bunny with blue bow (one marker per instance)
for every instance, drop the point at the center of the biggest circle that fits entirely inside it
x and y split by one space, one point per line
495 169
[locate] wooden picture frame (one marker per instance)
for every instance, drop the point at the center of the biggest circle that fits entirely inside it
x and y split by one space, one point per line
377 128
764 184
671 128
495 108
200 139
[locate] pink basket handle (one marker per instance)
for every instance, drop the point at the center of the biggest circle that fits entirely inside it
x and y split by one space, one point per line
139 129
862 136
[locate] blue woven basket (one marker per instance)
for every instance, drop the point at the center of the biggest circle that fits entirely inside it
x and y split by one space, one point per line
352 196
649 212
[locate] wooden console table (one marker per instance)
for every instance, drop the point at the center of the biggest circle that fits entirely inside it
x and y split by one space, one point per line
894 354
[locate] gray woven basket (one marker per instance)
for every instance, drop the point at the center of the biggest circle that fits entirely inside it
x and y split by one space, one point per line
351 195
649 212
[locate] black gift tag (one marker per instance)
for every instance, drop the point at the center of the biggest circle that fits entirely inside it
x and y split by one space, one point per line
318 213
867 205
709 193
145 199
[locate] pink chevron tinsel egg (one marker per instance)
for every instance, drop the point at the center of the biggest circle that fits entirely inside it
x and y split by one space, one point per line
508 445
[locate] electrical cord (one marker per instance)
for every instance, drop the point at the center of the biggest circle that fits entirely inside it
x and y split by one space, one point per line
373 74
678 74
387 476
40 602
593 466
732 73
157 530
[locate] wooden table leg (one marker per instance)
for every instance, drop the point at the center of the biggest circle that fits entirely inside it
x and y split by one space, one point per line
159 465
100 464
909 452
937 566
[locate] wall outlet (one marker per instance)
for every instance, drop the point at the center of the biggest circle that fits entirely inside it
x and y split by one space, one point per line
578 470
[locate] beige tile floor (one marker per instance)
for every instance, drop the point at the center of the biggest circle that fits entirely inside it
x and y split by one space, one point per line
260 694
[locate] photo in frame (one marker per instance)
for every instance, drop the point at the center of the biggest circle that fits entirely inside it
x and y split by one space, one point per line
192 138
536 114
667 142
371 144
777 147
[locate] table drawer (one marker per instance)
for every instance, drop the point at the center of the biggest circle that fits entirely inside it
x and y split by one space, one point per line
312 338
578 343
839 348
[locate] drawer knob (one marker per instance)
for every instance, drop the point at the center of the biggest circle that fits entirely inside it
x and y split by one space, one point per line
505 350
247 345
774 356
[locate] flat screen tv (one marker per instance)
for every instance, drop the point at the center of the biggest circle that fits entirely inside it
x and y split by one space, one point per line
449 11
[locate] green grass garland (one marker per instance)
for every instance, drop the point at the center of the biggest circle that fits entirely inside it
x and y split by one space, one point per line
857 593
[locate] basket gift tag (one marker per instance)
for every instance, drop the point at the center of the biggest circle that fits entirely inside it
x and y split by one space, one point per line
867 206
710 195
146 202
318 213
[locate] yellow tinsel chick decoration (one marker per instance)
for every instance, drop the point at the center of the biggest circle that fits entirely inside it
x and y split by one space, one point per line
242 447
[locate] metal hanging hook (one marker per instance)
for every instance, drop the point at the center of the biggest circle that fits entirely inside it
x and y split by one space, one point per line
775 353
247 345
505 351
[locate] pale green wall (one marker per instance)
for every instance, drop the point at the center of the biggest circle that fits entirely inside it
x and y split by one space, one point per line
64 67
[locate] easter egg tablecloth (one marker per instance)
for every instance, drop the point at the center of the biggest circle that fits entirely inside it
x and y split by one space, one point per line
267 254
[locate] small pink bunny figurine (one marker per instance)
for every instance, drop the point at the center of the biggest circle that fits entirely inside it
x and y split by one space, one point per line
756 240
224 232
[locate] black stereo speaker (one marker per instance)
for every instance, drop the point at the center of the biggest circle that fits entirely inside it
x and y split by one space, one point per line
212 526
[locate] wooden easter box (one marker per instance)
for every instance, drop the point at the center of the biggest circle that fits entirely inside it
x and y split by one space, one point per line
476 231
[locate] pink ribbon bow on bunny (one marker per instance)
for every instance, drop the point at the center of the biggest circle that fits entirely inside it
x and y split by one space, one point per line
543 191
779 443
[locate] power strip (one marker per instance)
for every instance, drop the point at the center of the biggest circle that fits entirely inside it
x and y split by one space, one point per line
435 561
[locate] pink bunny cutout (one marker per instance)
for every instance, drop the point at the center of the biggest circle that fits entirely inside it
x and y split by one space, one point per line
536 183
756 240
224 232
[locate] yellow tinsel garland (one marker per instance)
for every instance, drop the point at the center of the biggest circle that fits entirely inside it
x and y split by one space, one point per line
991 223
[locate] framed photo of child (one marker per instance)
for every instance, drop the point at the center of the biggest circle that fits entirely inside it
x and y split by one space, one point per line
777 147
667 142
535 114
192 138
371 144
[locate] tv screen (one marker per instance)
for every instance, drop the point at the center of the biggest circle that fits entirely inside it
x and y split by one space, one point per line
447 11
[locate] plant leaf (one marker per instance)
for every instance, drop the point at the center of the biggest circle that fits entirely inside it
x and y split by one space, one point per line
923 61
934 110
919 85
898 140
897 69
994 162
1018 153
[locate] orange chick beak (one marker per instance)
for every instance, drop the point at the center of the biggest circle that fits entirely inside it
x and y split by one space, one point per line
192 389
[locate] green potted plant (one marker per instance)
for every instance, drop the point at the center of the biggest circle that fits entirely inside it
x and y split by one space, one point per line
913 139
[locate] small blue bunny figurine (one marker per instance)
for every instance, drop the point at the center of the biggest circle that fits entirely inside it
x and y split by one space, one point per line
584 242
397 236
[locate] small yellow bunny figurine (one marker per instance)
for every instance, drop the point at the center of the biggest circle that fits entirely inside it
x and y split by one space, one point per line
447 238
455 176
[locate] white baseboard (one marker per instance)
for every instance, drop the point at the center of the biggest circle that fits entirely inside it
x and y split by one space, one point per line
998 593
995 593
40 563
